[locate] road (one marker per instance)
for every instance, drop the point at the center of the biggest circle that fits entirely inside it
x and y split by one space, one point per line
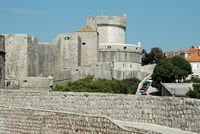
152 91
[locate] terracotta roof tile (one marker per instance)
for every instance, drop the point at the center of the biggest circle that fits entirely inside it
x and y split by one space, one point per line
87 29
180 51
193 57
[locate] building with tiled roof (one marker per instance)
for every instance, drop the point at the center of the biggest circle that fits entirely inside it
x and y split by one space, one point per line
193 56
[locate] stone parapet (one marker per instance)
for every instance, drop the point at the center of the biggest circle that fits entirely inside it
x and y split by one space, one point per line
112 20
119 47
182 113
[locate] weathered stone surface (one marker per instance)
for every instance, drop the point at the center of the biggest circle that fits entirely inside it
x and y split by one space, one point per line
2 61
20 121
182 113
81 53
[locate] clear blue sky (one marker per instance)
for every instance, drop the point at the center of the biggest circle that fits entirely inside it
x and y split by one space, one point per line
168 24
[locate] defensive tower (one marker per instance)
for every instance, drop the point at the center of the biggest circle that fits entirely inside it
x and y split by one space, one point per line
111 29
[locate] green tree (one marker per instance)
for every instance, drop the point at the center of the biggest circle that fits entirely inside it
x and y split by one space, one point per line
182 68
169 70
157 54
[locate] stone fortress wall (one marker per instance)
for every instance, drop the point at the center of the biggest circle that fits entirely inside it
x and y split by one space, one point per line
98 49
49 122
2 61
182 113
73 56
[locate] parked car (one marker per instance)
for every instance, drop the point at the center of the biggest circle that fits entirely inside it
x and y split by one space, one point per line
143 91
146 84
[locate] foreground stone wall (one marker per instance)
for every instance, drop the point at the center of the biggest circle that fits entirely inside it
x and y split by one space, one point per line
21 121
166 111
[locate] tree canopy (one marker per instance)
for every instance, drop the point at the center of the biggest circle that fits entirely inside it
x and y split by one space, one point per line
155 56
169 70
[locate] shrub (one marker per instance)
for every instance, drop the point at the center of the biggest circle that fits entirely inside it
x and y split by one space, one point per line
127 86
195 93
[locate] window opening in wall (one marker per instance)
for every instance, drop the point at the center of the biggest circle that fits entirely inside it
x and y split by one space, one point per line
67 38
125 47
130 66
109 47
83 43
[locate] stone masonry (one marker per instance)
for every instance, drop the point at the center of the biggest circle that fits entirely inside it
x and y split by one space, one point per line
2 61
182 113
21 121
98 49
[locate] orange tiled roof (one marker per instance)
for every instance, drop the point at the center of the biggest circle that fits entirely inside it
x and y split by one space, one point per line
193 50
180 51
193 57
87 29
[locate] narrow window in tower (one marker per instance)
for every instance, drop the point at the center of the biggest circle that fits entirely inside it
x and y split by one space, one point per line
109 47
83 43
125 47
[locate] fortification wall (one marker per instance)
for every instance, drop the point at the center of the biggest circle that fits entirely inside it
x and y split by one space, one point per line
119 53
16 47
19 120
48 59
34 83
32 56
119 56
104 71
120 47
173 112
69 50
148 68
2 61
89 48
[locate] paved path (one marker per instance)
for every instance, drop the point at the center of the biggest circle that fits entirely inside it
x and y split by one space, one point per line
152 91
152 127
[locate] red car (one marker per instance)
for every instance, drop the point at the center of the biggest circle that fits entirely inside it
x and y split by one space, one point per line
143 91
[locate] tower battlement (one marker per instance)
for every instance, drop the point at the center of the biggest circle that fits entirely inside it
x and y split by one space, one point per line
111 29
120 21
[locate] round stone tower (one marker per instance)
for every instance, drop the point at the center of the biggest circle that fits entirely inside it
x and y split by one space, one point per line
111 29
2 61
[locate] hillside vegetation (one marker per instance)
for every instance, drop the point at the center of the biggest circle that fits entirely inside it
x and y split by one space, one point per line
126 86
